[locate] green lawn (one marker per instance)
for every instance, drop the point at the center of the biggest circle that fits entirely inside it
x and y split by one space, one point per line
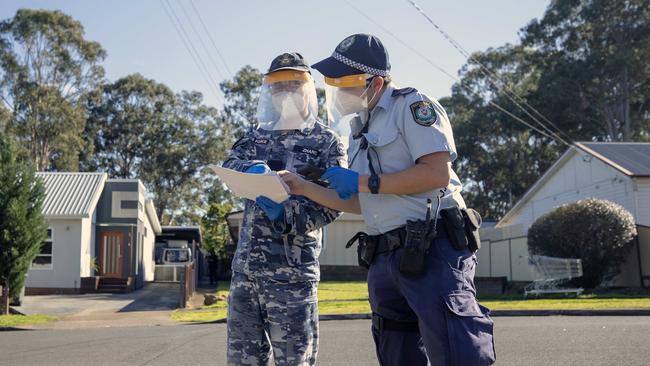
589 301
8 321
351 297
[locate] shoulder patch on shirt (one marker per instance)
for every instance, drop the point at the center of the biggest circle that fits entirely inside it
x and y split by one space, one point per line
423 113
403 91
261 141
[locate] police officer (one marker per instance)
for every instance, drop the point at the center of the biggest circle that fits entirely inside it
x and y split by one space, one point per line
275 267
401 147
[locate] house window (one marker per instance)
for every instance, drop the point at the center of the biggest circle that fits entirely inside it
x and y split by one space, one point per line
125 204
44 259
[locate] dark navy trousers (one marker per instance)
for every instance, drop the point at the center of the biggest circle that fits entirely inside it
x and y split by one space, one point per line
453 328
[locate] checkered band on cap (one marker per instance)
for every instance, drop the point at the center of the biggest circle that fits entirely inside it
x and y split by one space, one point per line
359 66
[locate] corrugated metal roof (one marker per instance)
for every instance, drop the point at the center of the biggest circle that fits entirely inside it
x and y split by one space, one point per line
71 194
631 158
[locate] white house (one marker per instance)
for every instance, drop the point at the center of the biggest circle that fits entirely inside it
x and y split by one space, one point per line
618 172
69 208
92 218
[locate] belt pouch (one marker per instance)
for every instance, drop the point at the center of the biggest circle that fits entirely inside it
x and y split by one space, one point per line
415 247
454 222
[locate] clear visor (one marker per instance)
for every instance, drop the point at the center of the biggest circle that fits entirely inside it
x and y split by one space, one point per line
287 101
346 100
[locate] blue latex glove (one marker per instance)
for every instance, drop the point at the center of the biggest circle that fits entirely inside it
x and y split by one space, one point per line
344 181
274 211
259 168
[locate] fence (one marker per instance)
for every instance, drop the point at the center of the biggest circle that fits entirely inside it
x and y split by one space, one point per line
187 284
168 272
504 253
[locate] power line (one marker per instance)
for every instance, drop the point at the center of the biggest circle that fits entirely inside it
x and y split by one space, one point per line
441 69
225 64
516 99
198 55
190 47
414 50
205 48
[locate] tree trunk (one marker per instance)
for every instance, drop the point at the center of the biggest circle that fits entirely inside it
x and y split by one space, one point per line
627 128
608 118
4 300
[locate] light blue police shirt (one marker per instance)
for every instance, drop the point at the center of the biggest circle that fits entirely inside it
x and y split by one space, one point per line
396 140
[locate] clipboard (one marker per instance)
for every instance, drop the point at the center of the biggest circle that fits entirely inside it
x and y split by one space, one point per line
251 186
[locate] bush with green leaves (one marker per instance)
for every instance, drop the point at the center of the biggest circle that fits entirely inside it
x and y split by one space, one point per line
598 232
22 226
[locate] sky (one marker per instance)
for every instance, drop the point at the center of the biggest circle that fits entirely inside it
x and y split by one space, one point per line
144 36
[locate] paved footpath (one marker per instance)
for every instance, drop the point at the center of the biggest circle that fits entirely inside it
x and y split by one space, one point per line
554 340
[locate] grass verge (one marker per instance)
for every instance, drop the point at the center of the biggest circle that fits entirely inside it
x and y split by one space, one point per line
351 297
10 321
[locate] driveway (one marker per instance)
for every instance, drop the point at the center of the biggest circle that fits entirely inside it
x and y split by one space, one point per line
149 305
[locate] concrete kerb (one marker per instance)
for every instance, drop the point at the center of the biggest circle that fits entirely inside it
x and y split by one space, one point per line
497 313
328 317
603 312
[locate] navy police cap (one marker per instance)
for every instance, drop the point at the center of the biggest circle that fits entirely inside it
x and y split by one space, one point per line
358 53
289 61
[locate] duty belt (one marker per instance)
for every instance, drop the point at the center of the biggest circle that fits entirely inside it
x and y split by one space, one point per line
393 239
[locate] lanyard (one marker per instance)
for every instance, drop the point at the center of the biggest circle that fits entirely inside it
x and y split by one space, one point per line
364 141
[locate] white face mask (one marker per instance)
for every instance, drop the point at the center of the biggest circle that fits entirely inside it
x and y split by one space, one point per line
350 103
290 107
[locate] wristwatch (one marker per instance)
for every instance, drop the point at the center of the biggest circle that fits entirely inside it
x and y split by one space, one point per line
373 183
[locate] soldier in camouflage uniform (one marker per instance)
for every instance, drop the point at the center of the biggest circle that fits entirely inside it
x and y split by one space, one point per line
275 268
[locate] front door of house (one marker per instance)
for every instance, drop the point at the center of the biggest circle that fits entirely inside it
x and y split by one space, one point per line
111 253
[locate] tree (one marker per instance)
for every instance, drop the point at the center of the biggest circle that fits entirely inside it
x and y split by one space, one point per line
596 231
22 226
498 158
177 151
599 48
48 69
5 115
582 66
213 224
242 93
141 129
119 117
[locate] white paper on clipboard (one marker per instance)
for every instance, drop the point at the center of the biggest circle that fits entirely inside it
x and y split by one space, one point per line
251 186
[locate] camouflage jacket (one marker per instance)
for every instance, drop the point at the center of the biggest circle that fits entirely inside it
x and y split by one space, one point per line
287 249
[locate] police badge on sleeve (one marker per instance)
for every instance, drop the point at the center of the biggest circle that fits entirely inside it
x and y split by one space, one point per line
423 113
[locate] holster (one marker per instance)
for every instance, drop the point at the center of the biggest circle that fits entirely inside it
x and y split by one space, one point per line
416 245
462 227
366 248
473 223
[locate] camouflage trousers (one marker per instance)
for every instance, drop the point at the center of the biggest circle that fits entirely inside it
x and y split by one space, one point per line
270 320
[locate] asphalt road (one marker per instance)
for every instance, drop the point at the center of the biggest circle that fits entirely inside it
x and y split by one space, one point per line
579 340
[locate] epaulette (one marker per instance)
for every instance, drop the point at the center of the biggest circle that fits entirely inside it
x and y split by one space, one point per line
403 91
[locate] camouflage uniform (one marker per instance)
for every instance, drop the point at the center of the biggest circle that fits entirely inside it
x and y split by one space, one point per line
275 268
